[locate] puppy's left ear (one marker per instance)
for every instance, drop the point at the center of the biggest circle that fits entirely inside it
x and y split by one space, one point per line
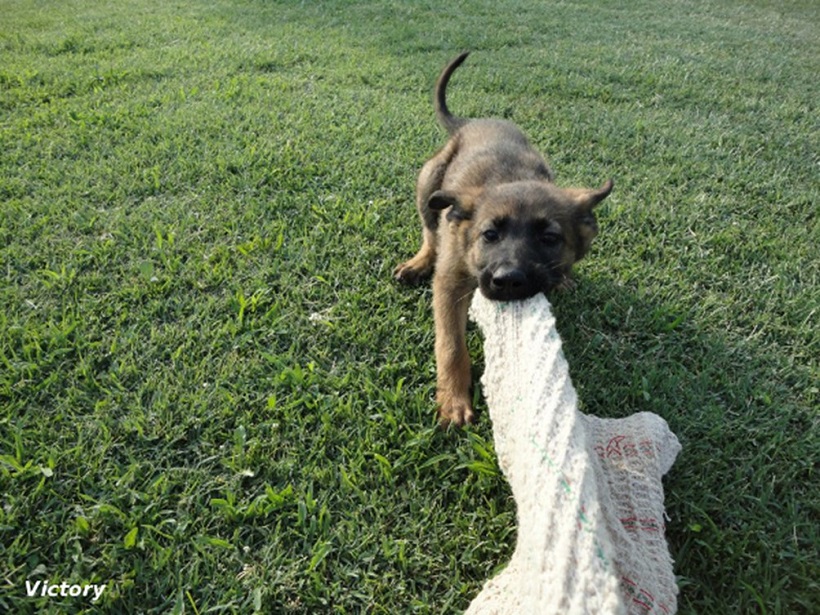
587 199
586 226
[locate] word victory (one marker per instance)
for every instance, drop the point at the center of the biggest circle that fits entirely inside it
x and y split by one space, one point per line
64 590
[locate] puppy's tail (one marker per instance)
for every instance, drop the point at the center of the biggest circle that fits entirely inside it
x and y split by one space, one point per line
445 118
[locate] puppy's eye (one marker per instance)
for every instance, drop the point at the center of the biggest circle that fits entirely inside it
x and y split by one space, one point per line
551 239
491 235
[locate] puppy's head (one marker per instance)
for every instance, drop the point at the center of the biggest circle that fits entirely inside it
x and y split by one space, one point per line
521 238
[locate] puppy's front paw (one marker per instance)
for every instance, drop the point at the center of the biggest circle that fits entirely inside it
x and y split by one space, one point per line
411 272
406 274
417 268
455 412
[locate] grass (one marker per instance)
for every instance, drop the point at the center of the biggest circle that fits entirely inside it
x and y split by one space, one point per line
214 399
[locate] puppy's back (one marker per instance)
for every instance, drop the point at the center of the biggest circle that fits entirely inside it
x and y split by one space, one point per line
491 151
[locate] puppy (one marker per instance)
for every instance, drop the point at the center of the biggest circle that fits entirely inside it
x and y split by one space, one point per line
492 219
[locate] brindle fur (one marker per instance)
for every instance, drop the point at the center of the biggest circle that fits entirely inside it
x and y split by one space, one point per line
506 229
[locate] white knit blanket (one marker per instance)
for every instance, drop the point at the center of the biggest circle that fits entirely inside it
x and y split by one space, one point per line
588 490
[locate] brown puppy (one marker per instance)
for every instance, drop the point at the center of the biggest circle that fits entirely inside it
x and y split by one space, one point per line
508 230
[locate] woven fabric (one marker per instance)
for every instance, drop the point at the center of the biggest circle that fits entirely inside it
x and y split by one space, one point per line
588 490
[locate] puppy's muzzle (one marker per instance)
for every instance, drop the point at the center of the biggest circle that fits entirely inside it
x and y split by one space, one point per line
507 283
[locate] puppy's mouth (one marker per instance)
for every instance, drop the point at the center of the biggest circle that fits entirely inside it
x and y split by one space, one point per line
508 283
514 283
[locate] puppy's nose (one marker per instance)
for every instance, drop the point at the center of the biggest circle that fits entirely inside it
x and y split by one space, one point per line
508 279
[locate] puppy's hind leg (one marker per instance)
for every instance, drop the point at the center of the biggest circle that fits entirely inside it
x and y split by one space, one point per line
421 265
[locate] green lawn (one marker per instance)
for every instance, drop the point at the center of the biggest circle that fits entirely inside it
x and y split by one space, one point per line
214 398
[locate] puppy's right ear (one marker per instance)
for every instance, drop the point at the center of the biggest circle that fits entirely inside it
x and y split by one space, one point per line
460 208
441 200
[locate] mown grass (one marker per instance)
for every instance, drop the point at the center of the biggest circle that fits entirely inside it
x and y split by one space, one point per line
215 399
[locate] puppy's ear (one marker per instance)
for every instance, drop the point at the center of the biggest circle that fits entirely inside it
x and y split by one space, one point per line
461 207
441 200
586 226
586 199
